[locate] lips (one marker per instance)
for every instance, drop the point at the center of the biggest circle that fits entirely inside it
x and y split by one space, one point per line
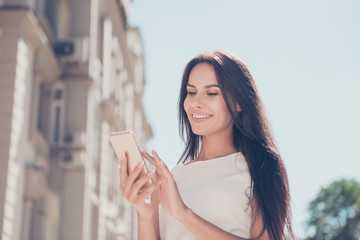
198 117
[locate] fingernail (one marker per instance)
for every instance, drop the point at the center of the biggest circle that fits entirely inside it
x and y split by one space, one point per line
151 173
140 165
123 157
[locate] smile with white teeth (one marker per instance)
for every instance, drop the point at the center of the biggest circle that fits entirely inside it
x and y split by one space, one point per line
198 116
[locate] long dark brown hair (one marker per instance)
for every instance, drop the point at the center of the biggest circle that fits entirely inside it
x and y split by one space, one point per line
251 136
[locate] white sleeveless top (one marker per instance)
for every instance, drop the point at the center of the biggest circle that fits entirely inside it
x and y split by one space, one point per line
217 190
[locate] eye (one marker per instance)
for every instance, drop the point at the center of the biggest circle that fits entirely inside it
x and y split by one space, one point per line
191 93
212 94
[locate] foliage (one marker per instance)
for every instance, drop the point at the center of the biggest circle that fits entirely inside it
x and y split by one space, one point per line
335 212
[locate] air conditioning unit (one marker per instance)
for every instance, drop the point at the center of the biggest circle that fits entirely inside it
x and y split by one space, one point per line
72 159
72 154
75 140
73 50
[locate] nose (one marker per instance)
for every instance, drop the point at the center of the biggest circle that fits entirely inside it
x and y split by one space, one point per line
198 101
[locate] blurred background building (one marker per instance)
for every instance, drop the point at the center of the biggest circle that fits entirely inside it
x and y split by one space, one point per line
71 72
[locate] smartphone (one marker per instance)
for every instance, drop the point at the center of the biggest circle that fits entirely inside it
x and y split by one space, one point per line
124 142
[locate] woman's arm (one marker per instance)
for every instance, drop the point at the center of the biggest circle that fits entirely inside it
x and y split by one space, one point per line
136 192
148 226
171 201
204 230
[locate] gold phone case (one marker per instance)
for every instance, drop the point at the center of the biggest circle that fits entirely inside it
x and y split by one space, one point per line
125 142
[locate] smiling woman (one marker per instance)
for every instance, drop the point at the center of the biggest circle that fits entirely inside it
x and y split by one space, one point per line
230 182
205 105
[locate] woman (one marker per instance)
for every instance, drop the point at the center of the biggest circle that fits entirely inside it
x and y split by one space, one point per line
230 182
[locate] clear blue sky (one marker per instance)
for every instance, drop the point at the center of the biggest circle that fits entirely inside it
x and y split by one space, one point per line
305 58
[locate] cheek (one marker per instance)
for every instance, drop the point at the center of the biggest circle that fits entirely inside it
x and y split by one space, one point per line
186 105
224 110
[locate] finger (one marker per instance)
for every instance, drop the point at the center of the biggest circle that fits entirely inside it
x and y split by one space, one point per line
155 162
155 177
149 158
157 158
163 168
123 171
131 179
139 185
147 192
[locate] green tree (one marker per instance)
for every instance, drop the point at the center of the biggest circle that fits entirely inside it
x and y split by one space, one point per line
335 212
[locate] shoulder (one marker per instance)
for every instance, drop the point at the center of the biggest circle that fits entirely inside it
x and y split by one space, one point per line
173 167
241 162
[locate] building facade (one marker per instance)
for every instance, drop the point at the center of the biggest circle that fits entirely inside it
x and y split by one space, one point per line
71 72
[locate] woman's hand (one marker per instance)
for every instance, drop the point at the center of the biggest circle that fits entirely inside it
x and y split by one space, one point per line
169 195
137 191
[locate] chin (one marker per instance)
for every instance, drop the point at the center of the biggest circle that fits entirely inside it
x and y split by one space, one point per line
200 132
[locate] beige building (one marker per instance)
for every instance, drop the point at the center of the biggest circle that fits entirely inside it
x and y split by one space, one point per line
71 72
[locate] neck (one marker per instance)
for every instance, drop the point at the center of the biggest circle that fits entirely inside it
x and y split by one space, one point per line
216 146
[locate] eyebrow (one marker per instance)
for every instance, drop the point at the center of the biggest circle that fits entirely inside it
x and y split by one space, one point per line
207 86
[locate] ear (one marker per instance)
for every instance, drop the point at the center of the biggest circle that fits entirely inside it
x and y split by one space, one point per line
238 108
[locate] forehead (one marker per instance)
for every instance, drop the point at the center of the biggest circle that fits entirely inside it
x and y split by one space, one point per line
202 74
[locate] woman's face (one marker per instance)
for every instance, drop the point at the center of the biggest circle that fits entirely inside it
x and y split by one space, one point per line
204 103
